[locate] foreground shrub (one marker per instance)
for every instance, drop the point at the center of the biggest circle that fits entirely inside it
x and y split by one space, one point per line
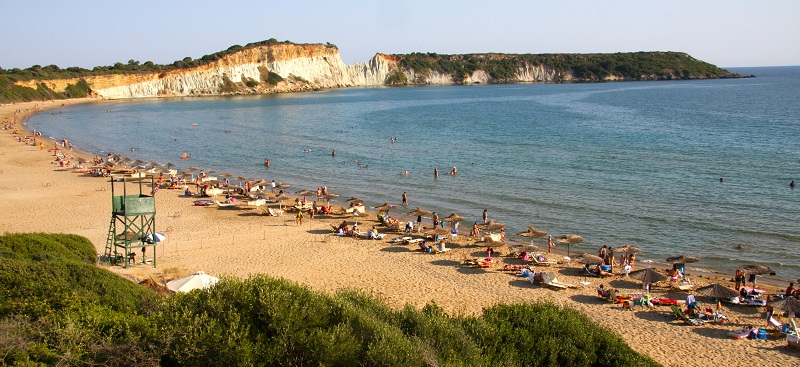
58 308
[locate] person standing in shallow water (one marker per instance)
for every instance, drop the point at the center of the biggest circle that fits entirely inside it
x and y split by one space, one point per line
436 173
405 199
485 216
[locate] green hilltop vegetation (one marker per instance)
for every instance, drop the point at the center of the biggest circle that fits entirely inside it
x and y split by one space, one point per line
582 67
58 308
501 67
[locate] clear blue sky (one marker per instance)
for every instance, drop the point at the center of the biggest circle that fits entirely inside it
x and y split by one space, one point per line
91 33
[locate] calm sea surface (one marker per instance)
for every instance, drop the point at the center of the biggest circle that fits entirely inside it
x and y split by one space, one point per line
632 162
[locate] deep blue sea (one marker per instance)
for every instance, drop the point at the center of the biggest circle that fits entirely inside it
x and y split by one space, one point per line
618 163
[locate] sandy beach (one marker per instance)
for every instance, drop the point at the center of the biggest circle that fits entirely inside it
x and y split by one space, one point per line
40 196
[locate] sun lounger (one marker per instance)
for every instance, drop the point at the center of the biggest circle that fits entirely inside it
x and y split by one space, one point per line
411 241
275 212
682 286
555 280
225 205
437 250
547 280
541 260
686 319
257 203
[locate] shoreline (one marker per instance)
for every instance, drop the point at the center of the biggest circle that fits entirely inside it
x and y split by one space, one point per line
775 281
241 242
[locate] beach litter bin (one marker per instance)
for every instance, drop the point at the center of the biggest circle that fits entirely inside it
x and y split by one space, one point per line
762 334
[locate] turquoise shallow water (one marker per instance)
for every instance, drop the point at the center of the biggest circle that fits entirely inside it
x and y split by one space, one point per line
632 162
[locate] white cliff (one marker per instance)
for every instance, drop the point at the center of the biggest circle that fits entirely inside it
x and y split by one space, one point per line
302 68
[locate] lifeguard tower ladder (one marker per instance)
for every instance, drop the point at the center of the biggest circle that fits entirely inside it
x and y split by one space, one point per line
133 221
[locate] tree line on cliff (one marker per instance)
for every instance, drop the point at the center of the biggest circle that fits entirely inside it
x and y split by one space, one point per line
575 67
58 308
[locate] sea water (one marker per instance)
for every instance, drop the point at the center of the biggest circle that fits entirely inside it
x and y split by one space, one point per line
696 167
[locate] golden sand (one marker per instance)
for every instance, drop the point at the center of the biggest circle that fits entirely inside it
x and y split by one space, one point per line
39 196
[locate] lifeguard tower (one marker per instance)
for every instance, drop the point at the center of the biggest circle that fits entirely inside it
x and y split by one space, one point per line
133 221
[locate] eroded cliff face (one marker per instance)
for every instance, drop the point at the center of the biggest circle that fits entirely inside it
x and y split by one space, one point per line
301 68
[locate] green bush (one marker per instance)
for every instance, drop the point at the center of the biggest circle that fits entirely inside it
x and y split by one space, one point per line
57 307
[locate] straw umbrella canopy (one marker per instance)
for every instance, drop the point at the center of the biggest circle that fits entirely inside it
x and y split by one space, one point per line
439 231
489 242
628 249
756 269
589 259
385 207
533 233
331 196
305 193
648 275
418 211
683 259
453 217
525 247
153 164
717 290
192 169
492 226
282 186
569 239
789 304
137 162
169 164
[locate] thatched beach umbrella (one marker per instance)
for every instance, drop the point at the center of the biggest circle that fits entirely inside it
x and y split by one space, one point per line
492 226
192 169
569 239
153 164
489 242
282 186
418 211
628 249
169 164
589 259
438 231
533 233
385 207
525 247
648 275
683 259
755 269
717 291
789 304
305 193
453 217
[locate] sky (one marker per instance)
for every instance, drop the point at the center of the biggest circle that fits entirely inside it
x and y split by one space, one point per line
86 33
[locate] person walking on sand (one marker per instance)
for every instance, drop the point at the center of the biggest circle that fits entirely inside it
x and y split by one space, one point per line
298 220
405 199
